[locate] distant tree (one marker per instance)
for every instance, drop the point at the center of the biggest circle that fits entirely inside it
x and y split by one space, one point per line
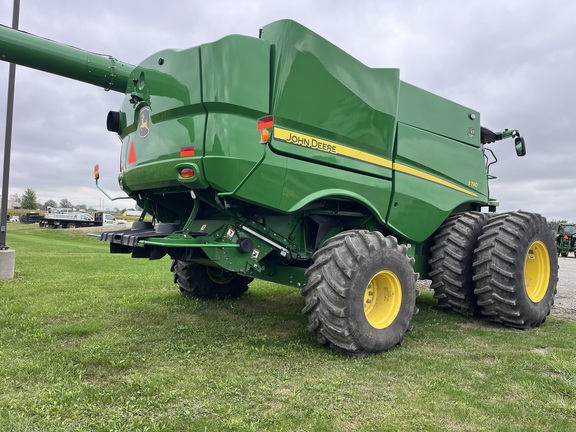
81 207
50 203
13 201
65 203
29 199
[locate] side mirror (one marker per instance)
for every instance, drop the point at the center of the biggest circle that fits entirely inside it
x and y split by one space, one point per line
520 146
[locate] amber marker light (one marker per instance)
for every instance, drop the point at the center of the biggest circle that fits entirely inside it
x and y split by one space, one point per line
265 136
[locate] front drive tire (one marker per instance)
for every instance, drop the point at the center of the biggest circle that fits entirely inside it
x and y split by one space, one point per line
199 281
516 270
361 293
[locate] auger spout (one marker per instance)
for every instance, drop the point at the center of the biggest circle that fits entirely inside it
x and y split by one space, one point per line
32 51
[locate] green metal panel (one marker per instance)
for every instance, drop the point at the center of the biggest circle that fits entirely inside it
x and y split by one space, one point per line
439 164
236 163
324 95
323 92
170 86
236 75
306 183
430 112
207 97
236 92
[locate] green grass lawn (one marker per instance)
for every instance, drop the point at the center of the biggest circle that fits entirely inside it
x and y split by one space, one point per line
97 342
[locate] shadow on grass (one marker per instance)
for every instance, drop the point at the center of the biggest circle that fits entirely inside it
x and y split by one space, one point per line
268 316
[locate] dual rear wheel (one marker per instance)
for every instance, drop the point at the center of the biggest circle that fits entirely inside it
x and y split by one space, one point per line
503 268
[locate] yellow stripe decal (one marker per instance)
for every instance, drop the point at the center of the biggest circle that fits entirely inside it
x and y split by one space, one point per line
421 174
329 147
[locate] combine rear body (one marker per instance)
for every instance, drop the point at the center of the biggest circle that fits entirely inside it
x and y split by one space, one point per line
283 158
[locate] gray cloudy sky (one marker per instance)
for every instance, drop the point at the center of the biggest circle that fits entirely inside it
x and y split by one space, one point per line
514 61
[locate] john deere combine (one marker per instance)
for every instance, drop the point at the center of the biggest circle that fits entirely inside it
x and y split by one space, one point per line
283 158
566 239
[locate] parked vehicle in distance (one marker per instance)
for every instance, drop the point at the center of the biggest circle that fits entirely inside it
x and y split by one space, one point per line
111 220
566 239
68 218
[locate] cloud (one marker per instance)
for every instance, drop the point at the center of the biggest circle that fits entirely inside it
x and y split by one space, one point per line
512 61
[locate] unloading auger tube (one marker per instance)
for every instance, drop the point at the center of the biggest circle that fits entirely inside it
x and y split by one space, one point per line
24 49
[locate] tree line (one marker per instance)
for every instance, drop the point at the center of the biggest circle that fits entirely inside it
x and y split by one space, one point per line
29 201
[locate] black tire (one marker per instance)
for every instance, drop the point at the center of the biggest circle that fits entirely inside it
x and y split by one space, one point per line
564 254
361 293
199 281
71 225
452 256
516 270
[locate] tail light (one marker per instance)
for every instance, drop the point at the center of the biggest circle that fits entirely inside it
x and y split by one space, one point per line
187 173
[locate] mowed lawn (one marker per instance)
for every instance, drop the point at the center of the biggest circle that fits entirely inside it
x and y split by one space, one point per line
96 342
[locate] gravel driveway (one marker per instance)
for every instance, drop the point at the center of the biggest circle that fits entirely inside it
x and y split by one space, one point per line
565 304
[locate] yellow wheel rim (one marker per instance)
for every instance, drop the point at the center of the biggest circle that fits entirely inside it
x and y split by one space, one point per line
537 271
219 275
382 299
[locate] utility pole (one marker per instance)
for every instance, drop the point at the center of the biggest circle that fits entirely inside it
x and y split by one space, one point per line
7 255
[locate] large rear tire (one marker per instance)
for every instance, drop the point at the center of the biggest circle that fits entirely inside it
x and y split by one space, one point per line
199 281
452 256
361 293
516 270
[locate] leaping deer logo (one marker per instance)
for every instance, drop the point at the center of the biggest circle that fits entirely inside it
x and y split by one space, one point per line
144 122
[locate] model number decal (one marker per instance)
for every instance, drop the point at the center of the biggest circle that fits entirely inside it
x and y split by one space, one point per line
472 184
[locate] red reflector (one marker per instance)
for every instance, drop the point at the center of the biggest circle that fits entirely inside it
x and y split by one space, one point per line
265 123
131 154
187 173
187 151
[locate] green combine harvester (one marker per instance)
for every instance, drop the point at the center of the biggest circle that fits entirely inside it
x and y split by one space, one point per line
566 239
285 159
